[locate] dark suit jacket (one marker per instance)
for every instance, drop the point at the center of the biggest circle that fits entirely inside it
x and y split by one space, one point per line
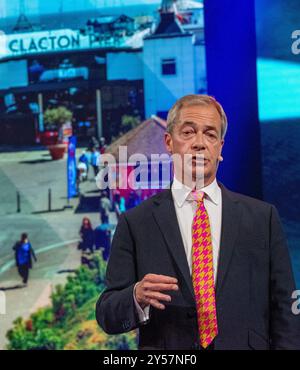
254 283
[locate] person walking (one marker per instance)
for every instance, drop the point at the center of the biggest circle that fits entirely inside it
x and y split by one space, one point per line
105 206
87 235
93 143
95 157
103 145
103 237
116 204
84 159
23 255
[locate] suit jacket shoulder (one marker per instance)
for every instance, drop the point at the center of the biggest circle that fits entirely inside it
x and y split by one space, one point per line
245 199
147 205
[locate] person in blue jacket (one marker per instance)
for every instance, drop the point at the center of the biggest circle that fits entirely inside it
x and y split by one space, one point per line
23 255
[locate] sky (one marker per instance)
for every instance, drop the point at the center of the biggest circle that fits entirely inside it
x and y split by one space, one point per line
10 8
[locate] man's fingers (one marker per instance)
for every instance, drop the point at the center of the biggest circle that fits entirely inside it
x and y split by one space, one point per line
156 304
158 296
154 278
160 286
151 285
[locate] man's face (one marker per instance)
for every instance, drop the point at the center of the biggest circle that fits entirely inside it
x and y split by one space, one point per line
197 134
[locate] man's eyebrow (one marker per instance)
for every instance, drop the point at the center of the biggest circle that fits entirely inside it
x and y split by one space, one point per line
191 123
211 127
188 123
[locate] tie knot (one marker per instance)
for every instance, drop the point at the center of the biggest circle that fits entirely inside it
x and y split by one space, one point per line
197 195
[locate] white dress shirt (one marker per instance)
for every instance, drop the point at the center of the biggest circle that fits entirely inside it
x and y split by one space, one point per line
185 207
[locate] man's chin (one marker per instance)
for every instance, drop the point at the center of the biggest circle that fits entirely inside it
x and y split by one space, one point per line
194 177
199 172
201 177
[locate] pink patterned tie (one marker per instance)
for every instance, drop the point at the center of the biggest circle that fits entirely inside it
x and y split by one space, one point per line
203 273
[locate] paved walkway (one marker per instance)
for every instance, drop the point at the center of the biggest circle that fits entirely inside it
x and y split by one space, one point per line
51 269
53 234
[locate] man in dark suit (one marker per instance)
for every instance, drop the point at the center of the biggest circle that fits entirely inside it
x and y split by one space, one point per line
198 266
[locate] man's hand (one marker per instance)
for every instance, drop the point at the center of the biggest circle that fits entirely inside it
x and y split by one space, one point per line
147 291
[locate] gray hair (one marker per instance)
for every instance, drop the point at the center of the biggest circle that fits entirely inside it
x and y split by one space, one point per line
194 99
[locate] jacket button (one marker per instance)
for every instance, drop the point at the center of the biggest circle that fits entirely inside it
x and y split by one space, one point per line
195 346
126 325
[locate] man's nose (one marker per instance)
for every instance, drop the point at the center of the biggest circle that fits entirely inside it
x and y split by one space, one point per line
199 142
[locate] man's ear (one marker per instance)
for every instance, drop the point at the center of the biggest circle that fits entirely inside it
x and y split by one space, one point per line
169 142
222 144
220 158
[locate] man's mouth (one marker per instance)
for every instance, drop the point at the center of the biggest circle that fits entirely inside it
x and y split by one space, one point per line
199 160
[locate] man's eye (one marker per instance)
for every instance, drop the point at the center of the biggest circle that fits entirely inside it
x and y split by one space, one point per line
189 132
211 135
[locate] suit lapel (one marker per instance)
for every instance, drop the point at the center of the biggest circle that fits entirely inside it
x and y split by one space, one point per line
165 216
229 232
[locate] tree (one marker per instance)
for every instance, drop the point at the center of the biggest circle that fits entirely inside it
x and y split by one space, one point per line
129 122
56 117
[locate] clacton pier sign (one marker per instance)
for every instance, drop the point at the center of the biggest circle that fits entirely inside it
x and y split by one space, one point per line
60 40
52 41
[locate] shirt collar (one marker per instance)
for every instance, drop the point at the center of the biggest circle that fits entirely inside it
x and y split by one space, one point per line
180 192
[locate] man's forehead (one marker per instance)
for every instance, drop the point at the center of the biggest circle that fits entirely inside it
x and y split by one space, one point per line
199 110
195 114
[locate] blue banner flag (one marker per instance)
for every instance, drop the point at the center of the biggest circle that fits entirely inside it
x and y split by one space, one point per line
71 167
